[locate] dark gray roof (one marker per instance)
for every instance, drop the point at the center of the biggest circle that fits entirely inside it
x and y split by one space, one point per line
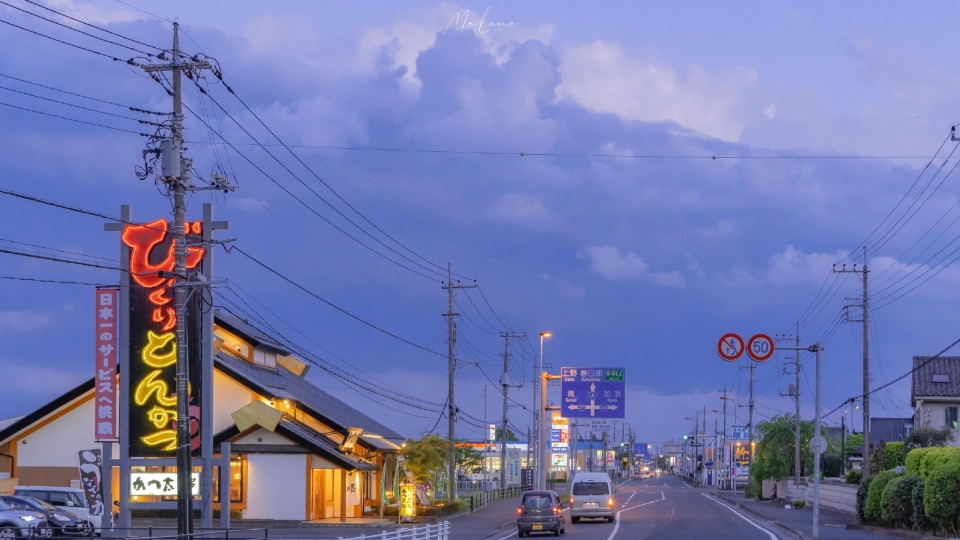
923 377
246 330
320 444
282 384
889 429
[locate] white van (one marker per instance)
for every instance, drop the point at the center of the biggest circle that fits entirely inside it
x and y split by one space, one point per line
591 496
69 499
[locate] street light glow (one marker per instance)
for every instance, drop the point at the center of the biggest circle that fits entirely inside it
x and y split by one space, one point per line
545 334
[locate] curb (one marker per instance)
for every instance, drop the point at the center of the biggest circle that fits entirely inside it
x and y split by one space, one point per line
787 528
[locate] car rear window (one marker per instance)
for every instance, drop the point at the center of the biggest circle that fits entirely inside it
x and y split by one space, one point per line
30 493
590 488
66 498
537 501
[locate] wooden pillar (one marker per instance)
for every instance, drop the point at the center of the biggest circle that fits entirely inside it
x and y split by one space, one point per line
343 494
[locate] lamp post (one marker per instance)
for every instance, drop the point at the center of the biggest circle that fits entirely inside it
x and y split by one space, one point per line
540 469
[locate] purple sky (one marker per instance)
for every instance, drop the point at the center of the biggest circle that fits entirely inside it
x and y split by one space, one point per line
641 263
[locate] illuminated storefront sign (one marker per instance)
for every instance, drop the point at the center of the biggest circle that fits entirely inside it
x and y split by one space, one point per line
161 484
105 369
408 501
153 347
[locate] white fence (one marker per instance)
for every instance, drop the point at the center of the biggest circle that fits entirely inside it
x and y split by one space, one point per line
440 531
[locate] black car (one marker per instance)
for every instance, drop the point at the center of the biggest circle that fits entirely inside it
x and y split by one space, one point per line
62 523
540 511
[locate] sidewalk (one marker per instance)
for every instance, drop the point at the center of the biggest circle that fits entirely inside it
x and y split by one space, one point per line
498 517
833 523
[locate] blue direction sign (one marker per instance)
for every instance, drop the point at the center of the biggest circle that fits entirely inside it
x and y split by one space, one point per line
592 392
640 449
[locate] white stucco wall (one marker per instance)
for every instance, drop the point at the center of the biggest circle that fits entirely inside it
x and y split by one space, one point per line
262 436
280 490
228 398
57 444
931 414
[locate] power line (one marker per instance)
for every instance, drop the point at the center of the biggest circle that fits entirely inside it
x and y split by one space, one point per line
79 121
94 26
80 107
67 43
38 280
134 109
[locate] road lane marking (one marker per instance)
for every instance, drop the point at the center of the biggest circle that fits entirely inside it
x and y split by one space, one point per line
616 526
745 518
514 533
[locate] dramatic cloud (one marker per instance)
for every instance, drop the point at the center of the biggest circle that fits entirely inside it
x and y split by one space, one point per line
793 266
23 320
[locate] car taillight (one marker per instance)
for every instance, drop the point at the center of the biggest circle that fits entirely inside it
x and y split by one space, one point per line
519 511
571 501
556 510
609 501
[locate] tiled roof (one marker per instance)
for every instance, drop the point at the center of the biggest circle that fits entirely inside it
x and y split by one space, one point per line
945 368
889 429
320 444
280 383
256 336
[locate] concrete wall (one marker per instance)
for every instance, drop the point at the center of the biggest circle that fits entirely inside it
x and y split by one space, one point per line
229 397
931 414
278 486
835 494
58 443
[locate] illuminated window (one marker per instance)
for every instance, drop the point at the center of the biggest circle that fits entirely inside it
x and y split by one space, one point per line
234 345
236 481
264 358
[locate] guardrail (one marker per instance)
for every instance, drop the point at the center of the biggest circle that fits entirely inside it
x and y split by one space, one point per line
170 533
440 531
475 502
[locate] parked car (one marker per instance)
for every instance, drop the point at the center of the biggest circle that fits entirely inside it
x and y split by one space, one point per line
62 523
72 500
540 511
22 523
591 496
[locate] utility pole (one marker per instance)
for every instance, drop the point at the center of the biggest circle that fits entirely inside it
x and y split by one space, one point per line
796 397
864 274
750 419
177 171
451 373
505 384
486 445
724 438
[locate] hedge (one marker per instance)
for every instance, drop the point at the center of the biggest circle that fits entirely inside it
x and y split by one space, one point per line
893 455
862 493
919 519
873 510
941 496
913 459
897 503
945 455
854 476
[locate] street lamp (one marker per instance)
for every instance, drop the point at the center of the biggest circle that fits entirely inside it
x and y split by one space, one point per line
538 402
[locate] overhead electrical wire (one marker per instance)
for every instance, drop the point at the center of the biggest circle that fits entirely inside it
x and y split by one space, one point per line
85 23
78 121
129 107
147 122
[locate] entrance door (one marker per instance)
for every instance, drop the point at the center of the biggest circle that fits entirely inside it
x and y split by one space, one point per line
316 497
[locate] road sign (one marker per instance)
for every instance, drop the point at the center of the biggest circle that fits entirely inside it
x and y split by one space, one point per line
730 347
760 347
592 392
640 449
818 444
739 433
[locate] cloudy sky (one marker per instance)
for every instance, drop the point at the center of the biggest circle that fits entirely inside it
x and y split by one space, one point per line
570 171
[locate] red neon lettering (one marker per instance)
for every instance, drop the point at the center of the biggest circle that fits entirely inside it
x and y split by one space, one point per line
142 239
157 316
159 298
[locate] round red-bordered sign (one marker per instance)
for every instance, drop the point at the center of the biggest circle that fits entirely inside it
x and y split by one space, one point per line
760 348
730 347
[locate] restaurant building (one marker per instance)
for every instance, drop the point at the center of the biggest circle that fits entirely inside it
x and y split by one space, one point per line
287 436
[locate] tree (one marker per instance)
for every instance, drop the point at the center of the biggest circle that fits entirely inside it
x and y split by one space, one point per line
468 458
511 436
774 453
925 437
425 457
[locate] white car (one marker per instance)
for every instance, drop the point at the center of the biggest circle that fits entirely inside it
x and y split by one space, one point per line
69 499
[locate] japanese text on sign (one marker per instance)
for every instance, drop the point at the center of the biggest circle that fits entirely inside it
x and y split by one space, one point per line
592 392
160 484
105 368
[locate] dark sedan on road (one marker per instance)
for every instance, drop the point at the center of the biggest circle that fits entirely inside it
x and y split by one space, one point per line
61 522
540 511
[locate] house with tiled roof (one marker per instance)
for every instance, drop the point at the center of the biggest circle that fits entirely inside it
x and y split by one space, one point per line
935 393
287 436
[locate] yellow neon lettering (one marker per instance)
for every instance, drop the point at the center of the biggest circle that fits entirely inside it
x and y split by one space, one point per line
148 386
155 343
161 417
160 437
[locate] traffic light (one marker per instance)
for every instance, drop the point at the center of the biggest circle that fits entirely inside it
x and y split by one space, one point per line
686 437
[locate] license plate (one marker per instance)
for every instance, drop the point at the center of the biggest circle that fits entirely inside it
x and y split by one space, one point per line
590 505
538 526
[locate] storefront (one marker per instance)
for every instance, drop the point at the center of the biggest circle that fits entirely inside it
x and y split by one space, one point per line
297 452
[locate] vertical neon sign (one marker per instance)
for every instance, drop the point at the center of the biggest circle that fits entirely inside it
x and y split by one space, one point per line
153 347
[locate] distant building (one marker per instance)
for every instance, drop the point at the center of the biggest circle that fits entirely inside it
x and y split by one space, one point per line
889 429
935 393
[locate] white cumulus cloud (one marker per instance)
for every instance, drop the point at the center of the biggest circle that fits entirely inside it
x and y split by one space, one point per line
793 266
610 263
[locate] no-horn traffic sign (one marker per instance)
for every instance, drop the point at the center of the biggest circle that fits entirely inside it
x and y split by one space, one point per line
730 347
760 347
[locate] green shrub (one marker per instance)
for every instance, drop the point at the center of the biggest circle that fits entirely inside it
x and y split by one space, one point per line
862 493
854 476
874 506
893 455
938 456
941 496
897 503
919 518
752 491
799 504
913 459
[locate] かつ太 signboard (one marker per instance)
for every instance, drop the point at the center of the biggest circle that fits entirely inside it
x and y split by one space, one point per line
592 392
153 344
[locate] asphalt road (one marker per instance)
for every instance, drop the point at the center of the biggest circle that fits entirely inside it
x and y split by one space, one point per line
663 508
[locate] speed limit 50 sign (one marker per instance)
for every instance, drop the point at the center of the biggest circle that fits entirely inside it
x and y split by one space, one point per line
760 347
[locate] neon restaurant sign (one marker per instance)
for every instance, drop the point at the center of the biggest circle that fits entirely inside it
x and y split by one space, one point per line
153 343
